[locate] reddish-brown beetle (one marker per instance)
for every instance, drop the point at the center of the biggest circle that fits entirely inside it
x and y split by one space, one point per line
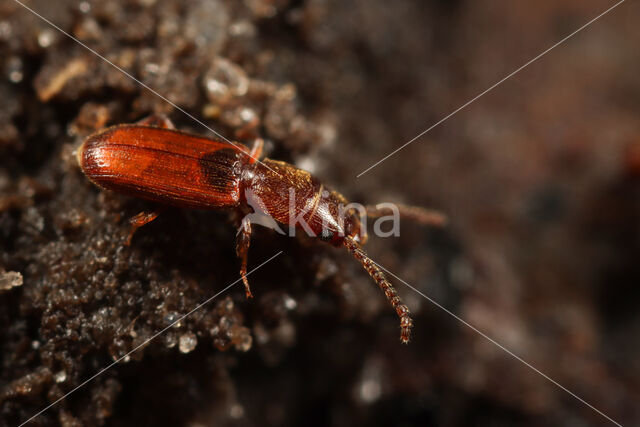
153 161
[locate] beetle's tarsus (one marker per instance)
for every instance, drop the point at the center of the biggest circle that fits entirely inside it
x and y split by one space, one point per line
247 289
139 220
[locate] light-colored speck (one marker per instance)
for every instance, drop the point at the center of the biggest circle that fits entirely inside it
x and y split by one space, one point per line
10 279
216 87
84 7
170 340
236 411
171 317
46 37
188 342
370 390
152 68
244 344
242 29
5 30
14 69
247 114
289 303
60 377
307 163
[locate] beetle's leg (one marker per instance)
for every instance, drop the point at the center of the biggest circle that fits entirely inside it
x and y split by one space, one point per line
141 219
243 238
256 150
389 291
157 120
415 213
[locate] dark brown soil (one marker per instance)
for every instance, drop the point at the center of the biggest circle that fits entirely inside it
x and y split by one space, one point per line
540 179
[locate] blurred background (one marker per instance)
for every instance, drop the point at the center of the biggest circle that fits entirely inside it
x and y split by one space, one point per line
540 179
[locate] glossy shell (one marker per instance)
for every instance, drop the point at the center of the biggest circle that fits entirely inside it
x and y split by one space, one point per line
165 166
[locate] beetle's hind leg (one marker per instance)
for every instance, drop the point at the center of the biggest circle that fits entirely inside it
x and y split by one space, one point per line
157 120
406 323
243 239
141 219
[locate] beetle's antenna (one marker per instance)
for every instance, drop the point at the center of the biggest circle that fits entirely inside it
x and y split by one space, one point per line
389 291
414 213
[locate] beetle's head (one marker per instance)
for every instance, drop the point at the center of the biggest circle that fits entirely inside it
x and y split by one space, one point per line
350 225
334 219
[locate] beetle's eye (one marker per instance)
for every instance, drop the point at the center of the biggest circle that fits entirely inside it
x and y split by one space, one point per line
326 235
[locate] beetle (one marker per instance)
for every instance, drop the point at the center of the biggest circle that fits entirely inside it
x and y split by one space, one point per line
152 160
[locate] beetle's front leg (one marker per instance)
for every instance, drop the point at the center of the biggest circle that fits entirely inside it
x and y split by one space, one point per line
243 238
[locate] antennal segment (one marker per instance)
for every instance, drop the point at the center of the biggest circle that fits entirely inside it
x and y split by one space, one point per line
406 323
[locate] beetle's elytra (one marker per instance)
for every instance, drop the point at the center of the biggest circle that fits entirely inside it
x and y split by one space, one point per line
153 161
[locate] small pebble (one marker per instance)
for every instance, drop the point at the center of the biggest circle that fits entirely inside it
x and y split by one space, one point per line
224 80
46 38
10 279
60 377
188 342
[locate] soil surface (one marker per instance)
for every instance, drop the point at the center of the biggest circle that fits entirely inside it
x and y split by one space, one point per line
540 179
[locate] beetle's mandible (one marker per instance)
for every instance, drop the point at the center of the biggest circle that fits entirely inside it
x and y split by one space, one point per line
154 161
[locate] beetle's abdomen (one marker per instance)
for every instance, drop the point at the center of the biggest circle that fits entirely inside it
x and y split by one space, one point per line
165 166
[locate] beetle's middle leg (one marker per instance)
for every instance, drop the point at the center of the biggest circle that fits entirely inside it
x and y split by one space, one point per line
243 238
141 219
